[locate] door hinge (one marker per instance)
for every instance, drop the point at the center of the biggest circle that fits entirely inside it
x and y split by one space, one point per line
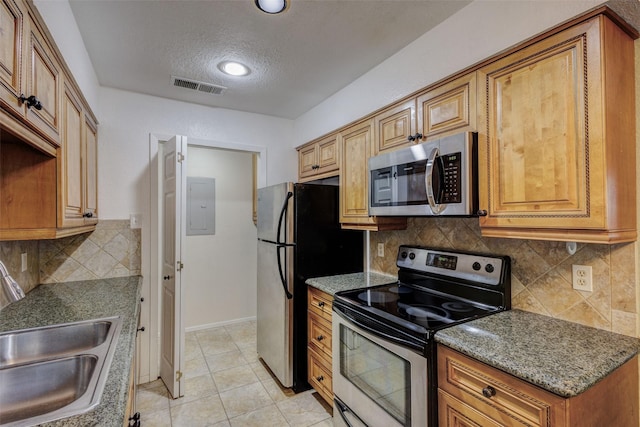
180 157
179 265
178 376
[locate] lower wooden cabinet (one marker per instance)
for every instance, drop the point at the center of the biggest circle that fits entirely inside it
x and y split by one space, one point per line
319 338
471 393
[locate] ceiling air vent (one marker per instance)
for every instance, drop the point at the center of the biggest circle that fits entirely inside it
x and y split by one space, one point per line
196 85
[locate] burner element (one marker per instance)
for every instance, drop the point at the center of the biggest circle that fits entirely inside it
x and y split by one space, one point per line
377 297
424 312
458 306
401 290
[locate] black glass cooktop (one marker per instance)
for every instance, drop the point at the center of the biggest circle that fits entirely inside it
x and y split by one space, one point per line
413 305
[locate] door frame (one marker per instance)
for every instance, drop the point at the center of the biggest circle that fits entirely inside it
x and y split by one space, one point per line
151 240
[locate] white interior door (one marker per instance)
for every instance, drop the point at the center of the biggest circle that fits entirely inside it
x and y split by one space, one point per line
173 207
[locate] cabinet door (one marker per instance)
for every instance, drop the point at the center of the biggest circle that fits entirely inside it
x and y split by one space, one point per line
448 108
307 160
12 32
547 161
355 145
70 173
328 154
44 81
394 126
90 172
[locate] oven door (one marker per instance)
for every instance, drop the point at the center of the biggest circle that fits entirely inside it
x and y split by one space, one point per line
376 382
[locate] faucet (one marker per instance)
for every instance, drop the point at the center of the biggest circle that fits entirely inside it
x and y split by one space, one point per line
11 288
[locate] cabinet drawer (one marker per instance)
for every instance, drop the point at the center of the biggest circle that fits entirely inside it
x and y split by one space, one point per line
319 335
320 303
509 398
452 412
320 376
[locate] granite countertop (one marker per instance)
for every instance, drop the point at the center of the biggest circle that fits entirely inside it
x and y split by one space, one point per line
562 357
345 282
75 301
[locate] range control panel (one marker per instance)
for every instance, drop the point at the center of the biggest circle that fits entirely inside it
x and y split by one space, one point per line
475 267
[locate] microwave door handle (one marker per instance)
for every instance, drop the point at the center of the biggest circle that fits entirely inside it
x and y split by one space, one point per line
435 207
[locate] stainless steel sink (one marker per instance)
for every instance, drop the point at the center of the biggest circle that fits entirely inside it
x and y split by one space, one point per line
55 371
26 345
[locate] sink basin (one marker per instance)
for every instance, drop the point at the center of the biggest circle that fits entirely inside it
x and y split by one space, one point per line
42 387
54 371
27 345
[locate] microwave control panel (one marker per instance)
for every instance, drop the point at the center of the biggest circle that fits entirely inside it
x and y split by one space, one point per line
451 171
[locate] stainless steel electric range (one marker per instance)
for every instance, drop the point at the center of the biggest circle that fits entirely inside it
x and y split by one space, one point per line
384 355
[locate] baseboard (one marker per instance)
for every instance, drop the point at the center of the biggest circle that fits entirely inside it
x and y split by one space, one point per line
218 324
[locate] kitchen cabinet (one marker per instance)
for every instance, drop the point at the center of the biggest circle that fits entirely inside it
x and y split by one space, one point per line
471 393
28 68
448 108
355 149
319 343
318 159
77 166
395 127
557 137
48 143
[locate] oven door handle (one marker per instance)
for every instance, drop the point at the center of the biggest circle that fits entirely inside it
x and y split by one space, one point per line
343 409
373 331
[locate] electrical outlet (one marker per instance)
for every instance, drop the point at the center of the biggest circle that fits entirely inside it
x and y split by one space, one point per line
24 262
381 249
582 279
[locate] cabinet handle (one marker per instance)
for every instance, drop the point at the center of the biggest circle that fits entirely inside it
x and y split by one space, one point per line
488 392
167 277
320 337
321 304
416 137
87 214
31 101
141 329
320 378
482 212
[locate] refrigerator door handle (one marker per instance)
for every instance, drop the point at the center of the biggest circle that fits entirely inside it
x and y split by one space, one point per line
283 213
282 278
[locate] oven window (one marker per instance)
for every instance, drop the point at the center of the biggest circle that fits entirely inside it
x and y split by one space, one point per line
380 374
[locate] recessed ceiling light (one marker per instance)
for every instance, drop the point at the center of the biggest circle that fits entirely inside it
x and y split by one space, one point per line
233 68
271 6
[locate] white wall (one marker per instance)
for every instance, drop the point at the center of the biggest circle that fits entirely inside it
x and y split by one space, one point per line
220 283
476 32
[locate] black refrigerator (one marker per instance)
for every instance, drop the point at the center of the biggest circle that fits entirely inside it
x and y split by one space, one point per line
299 237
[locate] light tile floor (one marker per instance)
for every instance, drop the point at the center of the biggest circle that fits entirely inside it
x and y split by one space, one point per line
227 385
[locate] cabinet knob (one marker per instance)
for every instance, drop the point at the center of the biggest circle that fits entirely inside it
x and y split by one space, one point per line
411 138
482 212
31 101
321 304
418 136
141 329
320 378
87 214
488 392
320 337
167 277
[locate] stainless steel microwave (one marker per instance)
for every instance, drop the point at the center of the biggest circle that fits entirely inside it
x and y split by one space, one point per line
439 177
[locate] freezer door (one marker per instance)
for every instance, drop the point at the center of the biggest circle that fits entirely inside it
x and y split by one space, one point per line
275 312
271 201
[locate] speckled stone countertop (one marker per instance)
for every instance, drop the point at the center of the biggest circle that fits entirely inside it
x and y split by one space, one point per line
345 282
74 301
562 357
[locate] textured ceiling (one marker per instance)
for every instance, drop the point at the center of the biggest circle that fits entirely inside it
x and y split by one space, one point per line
298 58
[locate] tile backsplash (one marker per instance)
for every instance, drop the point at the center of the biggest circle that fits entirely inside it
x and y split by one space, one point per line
112 250
541 270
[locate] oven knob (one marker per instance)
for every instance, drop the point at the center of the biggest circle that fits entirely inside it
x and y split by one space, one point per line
489 268
403 255
412 256
476 266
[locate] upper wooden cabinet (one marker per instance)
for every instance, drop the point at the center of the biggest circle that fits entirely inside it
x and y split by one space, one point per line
444 109
77 166
395 127
48 134
557 138
355 150
30 77
318 159
448 108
